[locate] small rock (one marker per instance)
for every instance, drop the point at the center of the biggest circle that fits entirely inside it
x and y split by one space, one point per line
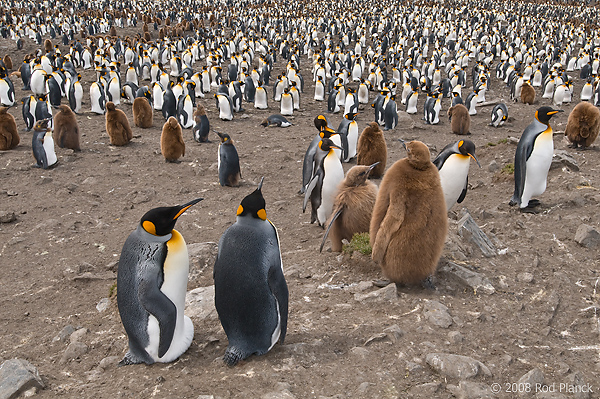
108 362
200 303
493 167
78 335
437 314
360 352
362 388
413 367
394 332
103 304
471 390
478 282
587 236
427 390
64 333
576 381
361 287
376 337
91 181
405 121
525 277
456 366
472 234
284 394
533 377
455 337
513 140
7 217
18 376
563 158
385 294
73 351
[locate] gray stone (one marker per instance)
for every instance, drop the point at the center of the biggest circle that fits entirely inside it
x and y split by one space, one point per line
375 338
73 351
493 166
477 281
563 158
385 294
579 388
394 332
64 333
361 287
471 390
471 233
203 252
455 337
7 217
405 121
284 394
360 352
437 314
78 335
587 236
532 378
413 367
200 303
525 277
456 366
18 376
102 305
109 362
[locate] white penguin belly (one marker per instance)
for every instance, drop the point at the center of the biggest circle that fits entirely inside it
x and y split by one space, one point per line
453 176
224 109
49 149
334 174
352 140
176 269
537 167
287 105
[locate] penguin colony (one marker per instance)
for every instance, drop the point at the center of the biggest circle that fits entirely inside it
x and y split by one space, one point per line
430 63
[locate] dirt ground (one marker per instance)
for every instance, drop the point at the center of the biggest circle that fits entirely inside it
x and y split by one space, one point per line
58 261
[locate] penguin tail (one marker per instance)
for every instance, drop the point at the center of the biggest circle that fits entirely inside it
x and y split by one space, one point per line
232 356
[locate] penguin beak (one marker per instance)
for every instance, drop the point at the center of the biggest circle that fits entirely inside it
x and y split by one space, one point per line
185 207
372 167
262 179
475 158
555 111
219 134
336 146
403 143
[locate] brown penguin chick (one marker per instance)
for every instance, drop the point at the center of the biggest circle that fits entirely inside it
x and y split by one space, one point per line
142 112
409 222
460 120
117 125
527 93
66 130
371 148
48 47
352 207
583 125
8 62
9 137
171 140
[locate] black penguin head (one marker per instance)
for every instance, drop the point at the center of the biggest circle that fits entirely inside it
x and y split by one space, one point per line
320 122
543 114
326 132
161 221
254 204
225 138
351 115
467 147
327 144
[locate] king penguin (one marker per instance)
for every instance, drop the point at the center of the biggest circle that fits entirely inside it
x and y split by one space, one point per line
453 165
201 126
322 187
151 286
251 294
225 106
532 160
42 145
260 97
499 115
228 162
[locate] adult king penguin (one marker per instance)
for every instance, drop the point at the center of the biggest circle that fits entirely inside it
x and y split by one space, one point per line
453 165
151 286
251 295
228 162
532 160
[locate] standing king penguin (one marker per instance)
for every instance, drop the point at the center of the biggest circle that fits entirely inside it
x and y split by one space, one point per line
228 162
409 222
251 295
151 286
532 160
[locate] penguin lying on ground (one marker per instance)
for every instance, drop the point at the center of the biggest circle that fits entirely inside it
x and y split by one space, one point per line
151 286
276 120
251 294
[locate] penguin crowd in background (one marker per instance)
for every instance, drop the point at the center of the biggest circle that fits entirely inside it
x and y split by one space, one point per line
429 57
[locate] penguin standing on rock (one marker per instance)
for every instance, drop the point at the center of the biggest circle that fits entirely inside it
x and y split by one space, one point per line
532 160
352 207
251 294
66 130
42 145
9 137
228 162
201 126
583 125
117 126
409 223
453 165
172 146
151 286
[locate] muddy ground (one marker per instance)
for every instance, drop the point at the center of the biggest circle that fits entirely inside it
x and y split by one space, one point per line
58 261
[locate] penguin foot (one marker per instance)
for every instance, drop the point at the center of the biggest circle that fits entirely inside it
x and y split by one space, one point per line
428 283
232 356
381 283
129 359
533 203
528 209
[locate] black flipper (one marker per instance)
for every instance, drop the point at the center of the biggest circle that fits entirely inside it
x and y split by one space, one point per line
335 216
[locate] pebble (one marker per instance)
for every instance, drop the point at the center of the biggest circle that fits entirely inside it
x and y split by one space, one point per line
7 217
456 337
18 376
493 167
109 362
437 314
563 158
64 333
102 305
525 277
78 335
533 377
385 294
200 303
360 352
587 236
576 379
471 390
73 351
394 332
456 366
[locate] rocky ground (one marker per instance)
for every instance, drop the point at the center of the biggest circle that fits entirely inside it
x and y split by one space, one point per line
523 314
